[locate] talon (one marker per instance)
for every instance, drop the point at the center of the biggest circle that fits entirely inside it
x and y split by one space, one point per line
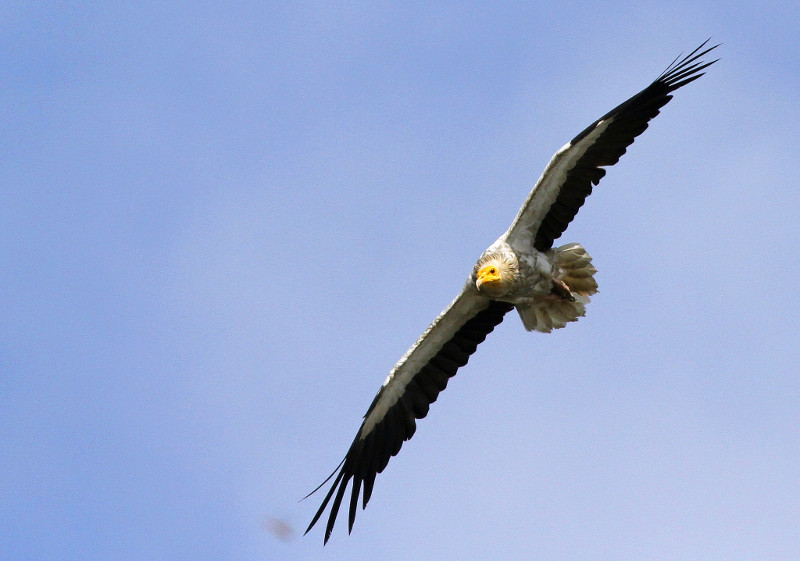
561 290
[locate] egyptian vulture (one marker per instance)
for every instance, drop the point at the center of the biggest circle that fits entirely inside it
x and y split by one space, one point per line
548 287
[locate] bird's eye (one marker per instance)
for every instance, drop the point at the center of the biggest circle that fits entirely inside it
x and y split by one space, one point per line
492 271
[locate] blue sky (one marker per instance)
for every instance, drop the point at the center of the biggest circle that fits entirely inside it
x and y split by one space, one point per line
222 225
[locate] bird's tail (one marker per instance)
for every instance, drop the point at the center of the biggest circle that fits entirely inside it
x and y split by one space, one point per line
575 270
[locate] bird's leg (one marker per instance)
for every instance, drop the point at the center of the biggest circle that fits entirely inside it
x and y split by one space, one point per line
561 290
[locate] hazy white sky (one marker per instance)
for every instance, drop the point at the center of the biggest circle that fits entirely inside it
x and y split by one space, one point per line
222 225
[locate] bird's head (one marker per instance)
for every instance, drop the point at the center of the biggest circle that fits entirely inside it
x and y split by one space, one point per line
494 276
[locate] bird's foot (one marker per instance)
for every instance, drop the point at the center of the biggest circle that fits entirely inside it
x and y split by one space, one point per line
561 291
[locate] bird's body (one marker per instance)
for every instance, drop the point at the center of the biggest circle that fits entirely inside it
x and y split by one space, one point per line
549 287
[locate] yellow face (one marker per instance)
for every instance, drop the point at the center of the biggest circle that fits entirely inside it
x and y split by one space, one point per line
490 280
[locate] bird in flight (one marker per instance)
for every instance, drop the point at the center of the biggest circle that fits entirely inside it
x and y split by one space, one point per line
548 286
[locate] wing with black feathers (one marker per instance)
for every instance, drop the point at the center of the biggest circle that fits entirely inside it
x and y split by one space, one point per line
413 384
577 167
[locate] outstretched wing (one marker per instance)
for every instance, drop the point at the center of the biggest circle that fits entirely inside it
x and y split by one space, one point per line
412 385
573 171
